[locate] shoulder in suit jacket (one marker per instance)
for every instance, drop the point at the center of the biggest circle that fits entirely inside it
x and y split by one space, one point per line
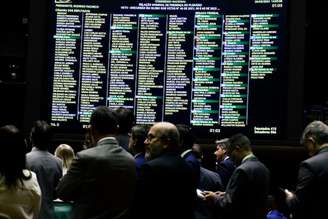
101 181
246 193
165 189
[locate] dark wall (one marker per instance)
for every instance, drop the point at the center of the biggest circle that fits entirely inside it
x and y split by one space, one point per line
13 50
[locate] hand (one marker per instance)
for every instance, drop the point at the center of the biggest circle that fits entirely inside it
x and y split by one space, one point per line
219 193
289 194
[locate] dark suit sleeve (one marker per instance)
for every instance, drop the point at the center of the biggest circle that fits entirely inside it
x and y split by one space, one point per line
234 191
303 189
70 187
144 192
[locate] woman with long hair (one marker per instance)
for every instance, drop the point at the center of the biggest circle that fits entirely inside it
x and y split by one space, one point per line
20 194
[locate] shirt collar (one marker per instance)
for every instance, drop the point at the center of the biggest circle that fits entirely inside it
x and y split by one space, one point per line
251 155
105 138
185 152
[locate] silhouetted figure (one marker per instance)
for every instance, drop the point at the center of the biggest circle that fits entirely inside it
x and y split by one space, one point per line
20 194
47 167
125 118
309 199
101 179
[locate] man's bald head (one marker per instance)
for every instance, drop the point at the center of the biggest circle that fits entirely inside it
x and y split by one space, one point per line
162 137
169 132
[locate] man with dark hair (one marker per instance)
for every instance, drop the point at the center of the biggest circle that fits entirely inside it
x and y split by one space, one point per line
101 179
247 190
47 167
187 140
137 144
165 188
309 199
125 118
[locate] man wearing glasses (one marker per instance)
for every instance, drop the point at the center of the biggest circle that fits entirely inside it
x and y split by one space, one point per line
165 188
310 197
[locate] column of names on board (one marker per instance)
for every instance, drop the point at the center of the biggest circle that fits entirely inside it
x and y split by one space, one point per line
93 72
64 91
234 77
150 68
206 69
123 36
178 67
263 45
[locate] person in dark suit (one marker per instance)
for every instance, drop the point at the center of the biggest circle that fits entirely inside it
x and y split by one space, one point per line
101 179
247 190
204 179
165 188
224 165
309 199
137 145
186 140
48 168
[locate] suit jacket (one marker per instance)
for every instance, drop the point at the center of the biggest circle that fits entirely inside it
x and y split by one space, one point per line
246 193
48 169
209 180
225 169
190 157
140 160
312 188
165 189
100 182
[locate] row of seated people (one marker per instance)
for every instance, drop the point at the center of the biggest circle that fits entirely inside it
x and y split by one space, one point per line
164 179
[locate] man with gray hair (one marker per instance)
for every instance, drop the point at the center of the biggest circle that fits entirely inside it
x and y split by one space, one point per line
224 165
309 199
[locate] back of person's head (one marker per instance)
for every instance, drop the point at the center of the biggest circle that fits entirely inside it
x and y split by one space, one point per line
125 118
240 140
187 138
12 154
316 130
66 154
41 135
104 121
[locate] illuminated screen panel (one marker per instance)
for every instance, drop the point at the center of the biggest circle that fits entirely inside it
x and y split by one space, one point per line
219 66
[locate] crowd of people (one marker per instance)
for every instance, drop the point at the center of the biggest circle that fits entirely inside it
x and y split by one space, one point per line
153 171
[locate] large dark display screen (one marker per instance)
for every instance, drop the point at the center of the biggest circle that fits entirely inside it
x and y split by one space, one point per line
219 66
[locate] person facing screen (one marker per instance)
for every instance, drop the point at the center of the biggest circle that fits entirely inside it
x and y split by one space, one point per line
101 179
20 194
66 154
47 167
